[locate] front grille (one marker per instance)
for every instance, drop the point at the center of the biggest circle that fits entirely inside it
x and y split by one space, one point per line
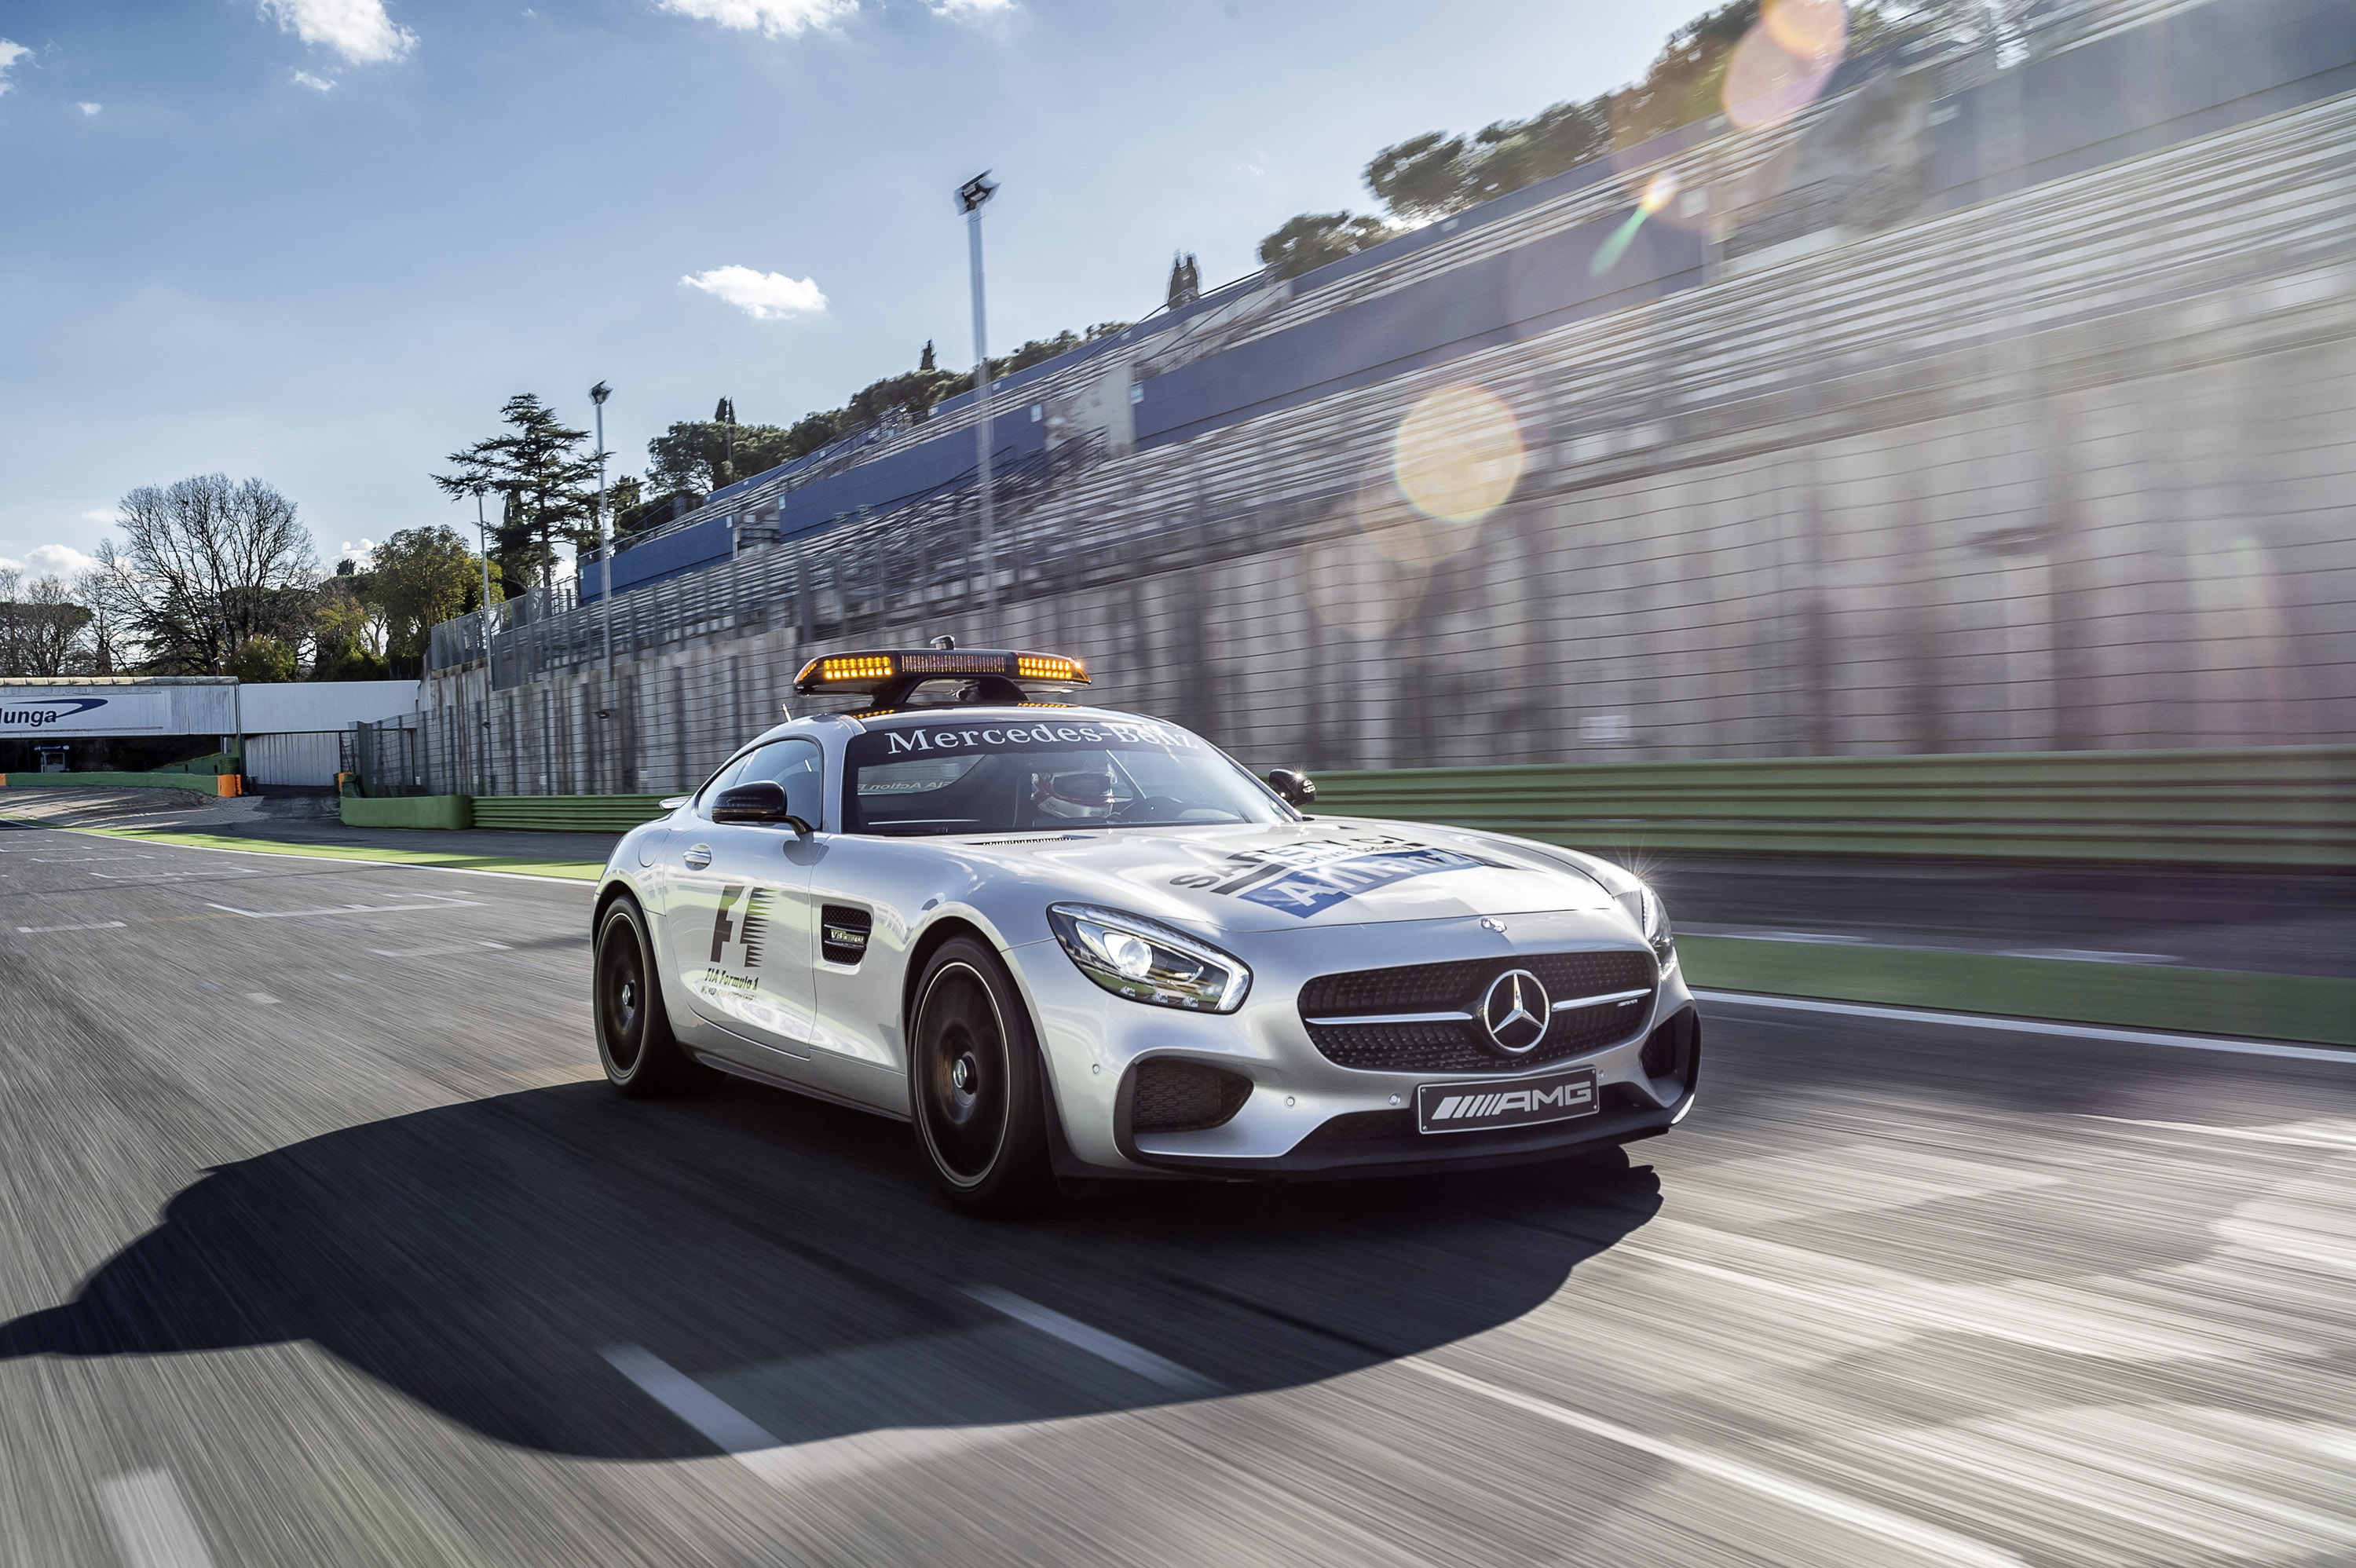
1461 1045
1173 1096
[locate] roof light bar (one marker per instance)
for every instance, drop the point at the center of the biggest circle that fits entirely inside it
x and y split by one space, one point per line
869 671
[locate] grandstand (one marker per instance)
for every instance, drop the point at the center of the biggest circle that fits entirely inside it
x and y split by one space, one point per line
1872 436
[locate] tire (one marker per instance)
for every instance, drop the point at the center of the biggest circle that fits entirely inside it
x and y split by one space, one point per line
976 1084
642 1057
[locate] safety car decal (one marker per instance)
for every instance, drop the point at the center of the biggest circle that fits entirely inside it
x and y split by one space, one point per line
1305 879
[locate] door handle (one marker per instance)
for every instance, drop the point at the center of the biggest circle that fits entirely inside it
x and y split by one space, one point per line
697 856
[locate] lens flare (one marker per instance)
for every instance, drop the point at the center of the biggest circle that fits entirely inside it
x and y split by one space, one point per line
1811 29
1784 61
1458 454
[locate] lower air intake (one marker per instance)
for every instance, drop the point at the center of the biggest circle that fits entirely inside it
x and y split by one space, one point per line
1169 1095
1673 1049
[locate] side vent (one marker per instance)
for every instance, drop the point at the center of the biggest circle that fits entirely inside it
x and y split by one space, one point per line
1173 1096
842 933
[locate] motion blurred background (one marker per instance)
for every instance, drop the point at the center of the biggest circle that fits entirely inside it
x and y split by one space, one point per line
1979 385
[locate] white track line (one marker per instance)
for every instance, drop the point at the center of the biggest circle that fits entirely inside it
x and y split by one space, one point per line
442 903
1097 1342
720 1423
2034 1026
1928 1540
152 1525
102 925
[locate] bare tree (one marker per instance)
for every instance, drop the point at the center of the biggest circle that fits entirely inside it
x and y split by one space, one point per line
101 591
41 627
206 566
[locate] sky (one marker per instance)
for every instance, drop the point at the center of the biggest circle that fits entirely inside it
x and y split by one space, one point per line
321 242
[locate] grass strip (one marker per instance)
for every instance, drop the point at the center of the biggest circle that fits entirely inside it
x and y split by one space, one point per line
2316 1008
514 865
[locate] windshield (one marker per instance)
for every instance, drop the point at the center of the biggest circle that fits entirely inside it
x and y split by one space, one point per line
952 776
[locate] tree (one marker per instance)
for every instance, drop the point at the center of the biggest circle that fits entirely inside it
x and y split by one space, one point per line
262 659
1313 239
701 456
41 627
95 592
548 486
1421 178
206 566
346 634
422 578
1039 351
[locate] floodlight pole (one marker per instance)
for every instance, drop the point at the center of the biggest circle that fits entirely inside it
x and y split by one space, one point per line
971 198
597 395
483 753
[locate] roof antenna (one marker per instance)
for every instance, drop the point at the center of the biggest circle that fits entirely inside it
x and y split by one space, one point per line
946 643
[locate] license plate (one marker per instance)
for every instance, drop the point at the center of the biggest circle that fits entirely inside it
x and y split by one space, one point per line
1505 1102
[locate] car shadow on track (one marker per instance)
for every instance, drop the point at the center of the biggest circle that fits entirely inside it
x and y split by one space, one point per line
494 1261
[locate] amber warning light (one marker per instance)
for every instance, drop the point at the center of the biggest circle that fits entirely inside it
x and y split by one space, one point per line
870 672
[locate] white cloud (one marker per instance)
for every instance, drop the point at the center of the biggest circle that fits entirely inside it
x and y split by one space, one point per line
356 29
50 560
763 296
778 18
360 553
968 8
99 515
317 83
90 108
10 53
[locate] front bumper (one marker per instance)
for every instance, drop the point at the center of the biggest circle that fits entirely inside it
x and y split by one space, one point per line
1307 1115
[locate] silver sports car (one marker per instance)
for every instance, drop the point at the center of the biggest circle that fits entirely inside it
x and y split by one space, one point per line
1071 943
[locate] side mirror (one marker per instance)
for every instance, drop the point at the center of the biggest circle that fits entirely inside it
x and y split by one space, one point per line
1294 787
761 804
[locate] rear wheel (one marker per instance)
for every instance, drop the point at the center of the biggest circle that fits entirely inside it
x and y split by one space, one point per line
635 1044
977 1084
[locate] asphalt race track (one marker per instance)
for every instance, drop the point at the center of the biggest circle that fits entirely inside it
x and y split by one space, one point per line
318 1246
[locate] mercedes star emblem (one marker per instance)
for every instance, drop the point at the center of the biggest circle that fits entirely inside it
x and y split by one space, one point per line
1515 1012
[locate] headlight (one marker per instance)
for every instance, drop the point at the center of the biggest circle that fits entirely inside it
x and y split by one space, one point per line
1652 917
1148 962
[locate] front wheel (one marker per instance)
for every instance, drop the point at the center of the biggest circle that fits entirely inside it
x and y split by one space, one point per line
977 1084
640 1055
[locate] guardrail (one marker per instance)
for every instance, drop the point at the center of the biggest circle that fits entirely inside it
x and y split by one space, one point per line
566 813
2256 806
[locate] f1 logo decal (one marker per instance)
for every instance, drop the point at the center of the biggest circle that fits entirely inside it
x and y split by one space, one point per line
723 930
751 928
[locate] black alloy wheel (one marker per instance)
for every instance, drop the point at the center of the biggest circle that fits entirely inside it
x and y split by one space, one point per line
633 1040
977 1084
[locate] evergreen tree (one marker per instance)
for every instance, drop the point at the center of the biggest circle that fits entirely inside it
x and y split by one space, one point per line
548 486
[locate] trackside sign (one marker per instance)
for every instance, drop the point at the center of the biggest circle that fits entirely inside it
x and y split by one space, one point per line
45 711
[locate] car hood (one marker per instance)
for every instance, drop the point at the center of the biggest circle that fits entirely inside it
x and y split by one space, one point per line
1287 876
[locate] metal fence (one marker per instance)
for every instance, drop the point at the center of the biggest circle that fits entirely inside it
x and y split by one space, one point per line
388 757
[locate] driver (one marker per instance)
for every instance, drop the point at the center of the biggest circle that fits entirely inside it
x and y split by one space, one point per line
1073 797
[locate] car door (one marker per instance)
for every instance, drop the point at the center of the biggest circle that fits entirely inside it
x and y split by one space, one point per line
737 913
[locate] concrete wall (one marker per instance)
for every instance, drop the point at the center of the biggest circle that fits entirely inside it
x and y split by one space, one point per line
319 705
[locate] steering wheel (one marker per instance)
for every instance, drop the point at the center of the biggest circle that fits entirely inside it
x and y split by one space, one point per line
1167 808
